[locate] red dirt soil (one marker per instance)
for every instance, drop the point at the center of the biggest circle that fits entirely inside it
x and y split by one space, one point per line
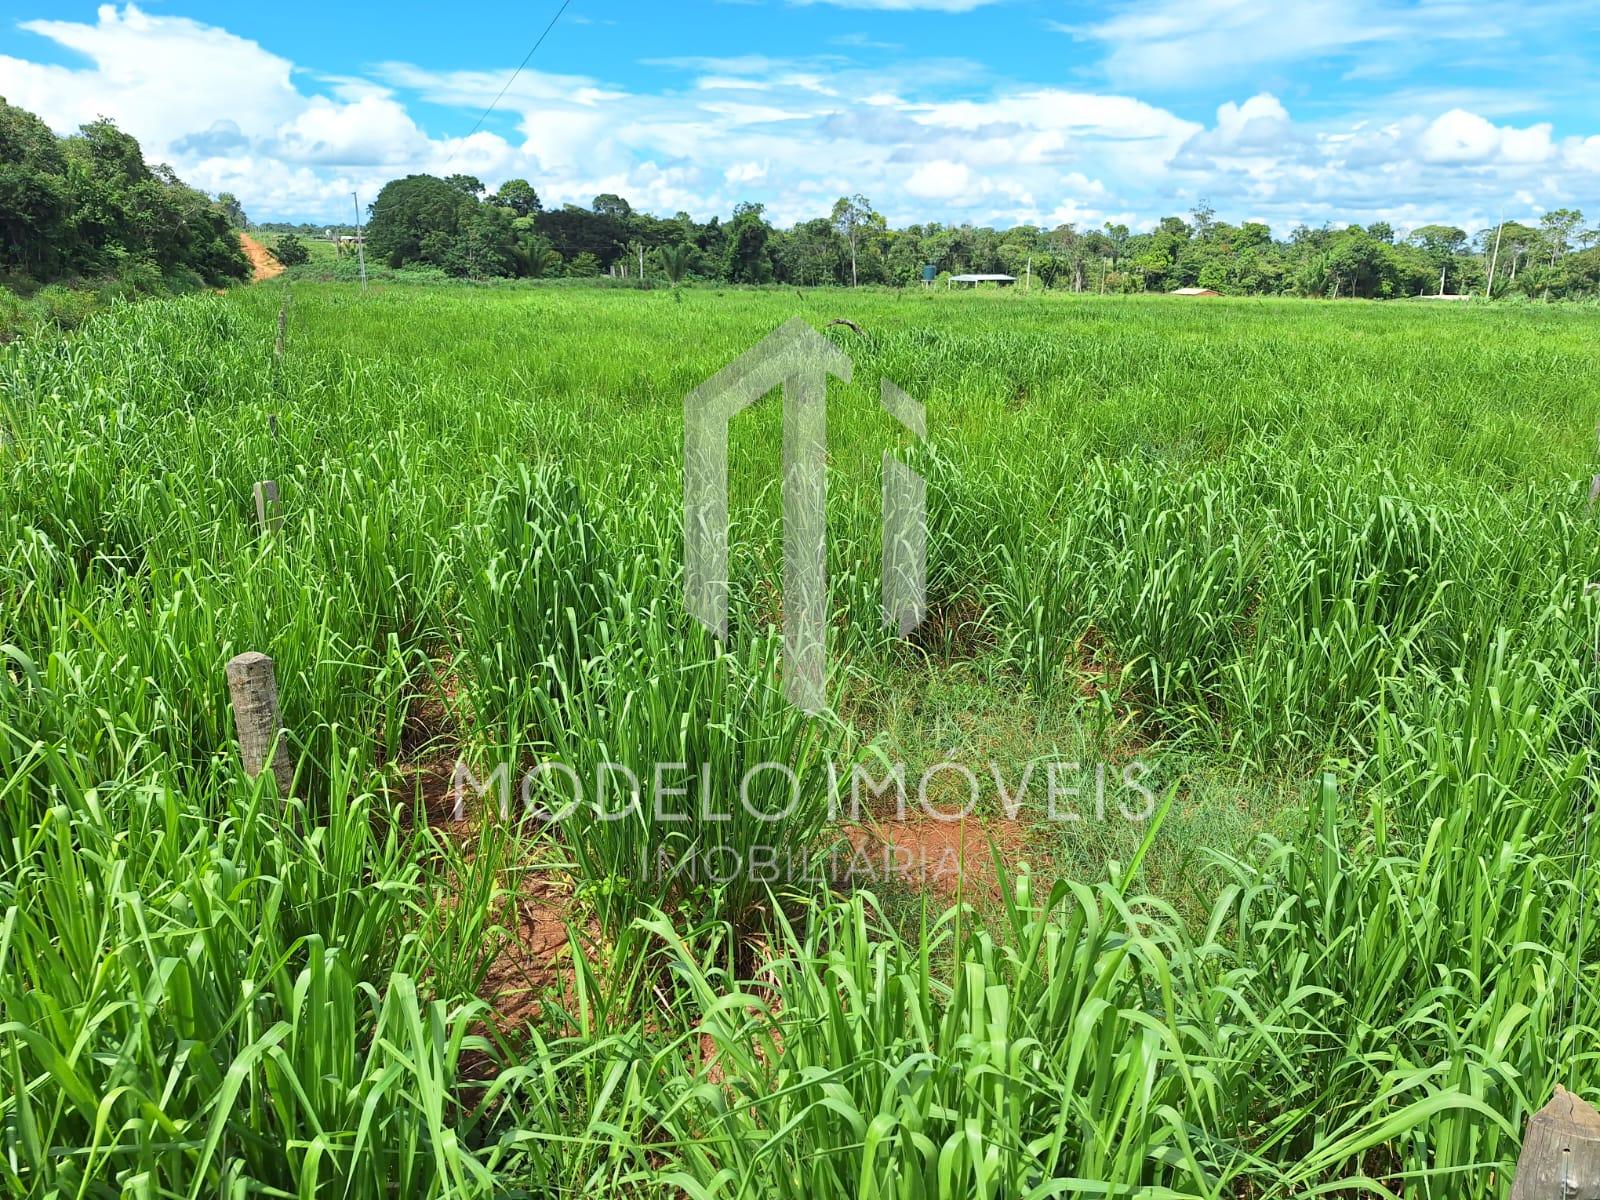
944 857
262 264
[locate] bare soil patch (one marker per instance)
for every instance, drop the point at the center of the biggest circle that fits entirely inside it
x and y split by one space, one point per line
262 264
942 857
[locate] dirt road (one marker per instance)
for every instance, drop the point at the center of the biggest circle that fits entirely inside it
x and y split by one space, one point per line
262 264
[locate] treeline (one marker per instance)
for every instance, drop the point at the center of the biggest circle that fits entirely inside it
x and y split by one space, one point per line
456 226
88 207
309 229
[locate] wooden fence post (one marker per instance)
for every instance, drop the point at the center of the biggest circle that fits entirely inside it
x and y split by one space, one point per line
1560 1152
253 687
269 509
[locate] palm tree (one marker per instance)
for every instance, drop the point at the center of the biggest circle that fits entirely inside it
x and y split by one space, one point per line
674 261
535 256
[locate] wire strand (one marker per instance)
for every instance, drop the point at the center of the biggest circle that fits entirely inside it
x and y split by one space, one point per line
526 59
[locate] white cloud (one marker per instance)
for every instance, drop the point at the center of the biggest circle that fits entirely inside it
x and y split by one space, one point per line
1458 167
1584 154
730 83
222 108
1168 44
1261 122
796 133
370 131
157 74
942 180
752 114
1460 137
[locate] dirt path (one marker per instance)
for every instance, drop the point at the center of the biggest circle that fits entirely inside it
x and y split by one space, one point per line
262 264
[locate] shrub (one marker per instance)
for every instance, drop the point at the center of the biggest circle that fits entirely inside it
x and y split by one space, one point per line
66 307
15 315
291 251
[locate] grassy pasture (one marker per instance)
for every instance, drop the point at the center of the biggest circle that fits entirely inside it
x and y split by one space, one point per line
1322 567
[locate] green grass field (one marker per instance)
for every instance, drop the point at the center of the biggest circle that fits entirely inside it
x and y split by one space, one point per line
1320 569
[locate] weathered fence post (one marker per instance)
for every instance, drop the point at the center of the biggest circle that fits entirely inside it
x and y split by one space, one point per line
253 687
269 509
1560 1152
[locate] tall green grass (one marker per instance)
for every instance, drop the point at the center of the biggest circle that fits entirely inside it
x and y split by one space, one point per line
1343 547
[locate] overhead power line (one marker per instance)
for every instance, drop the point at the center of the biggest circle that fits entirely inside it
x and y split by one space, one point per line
527 58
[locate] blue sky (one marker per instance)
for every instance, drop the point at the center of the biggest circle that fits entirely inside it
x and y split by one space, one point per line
994 111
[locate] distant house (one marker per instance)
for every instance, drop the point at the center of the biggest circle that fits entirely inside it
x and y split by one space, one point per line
975 280
1195 292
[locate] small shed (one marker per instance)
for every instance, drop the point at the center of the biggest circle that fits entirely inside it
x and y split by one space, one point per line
1195 292
975 280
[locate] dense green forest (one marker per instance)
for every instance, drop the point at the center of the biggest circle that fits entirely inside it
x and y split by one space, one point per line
84 219
455 226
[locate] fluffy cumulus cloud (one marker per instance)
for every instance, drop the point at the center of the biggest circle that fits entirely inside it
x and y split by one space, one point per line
1584 155
942 179
1461 137
157 74
372 131
1411 169
796 133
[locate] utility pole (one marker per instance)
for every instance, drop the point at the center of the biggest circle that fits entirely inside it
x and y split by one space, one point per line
361 241
1488 292
1028 286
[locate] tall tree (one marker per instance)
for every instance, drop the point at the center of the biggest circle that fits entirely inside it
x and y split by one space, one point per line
33 195
1558 227
748 252
852 215
89 205
609 204
518 195
1443 245
232 211
1117 235
417 217
812 253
